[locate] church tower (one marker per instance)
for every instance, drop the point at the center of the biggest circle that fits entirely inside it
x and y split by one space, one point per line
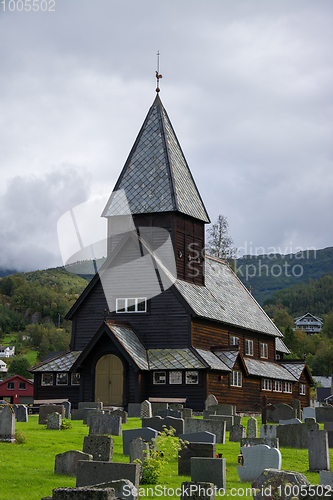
161 192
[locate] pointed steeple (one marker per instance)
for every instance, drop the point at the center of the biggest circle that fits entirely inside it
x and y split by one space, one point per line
156 177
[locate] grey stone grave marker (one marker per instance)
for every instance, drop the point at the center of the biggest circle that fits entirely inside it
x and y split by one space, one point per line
89 473
45 410
211 401
326 477
193 450
105 424
187 412
228 419
319 458
146 433
281 412
206 414
328 426
120 413
90 411
256 459
308 412
77 414
195 490
146 409
100 447
212 470
217 427
237 420
138 449
54 421
222 409
268 431
295 435
123 489
156 407
176 406
15 407
158 423
271 442
7 424
296 404
84 493
22 414
170 413
66 463
68 407
90 404
252 428
134 410
324 414
237 433
199 437
290 421
272 482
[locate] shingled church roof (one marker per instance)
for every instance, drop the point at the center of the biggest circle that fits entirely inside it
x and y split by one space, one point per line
156 177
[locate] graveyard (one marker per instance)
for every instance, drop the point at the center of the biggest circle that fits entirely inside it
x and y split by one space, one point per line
27 469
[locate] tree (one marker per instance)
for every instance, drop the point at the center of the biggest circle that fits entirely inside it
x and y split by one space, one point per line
19 366
220 243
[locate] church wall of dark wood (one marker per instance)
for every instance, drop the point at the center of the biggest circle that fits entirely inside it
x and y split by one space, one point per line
70 392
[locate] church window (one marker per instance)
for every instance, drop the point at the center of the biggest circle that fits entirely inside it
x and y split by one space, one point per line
234 340
266 384
131 305
302 389
263 350
288 387
249 347
47 378
159 378
192 377
175 378
62 379
236 379
75 379
277 386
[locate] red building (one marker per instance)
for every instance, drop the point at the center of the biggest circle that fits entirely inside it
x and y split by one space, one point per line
19 389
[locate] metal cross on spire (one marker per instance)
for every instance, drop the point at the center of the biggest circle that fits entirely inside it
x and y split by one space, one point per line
158 76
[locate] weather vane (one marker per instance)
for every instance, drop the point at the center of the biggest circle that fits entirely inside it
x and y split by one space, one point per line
158 76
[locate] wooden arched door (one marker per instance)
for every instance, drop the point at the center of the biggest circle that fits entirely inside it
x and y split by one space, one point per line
109 380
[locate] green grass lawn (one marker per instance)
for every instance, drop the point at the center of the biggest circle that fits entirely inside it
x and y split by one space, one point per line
31 357
26 470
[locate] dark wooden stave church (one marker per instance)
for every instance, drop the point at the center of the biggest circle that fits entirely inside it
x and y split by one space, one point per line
180 327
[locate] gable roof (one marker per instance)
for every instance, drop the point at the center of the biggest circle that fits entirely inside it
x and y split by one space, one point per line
268 369
62 362
156 176
224 298
16 377
308 315
280 346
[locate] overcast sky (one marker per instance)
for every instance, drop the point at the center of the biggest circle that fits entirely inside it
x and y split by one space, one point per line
247 85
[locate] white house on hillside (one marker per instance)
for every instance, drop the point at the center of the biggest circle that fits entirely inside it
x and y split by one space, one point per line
3 367
7 351
309 323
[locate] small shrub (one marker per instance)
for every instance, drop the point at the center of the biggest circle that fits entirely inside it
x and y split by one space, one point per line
20 437
66 424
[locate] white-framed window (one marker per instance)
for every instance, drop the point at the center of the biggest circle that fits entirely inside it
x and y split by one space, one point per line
47 378
302 389
236 379
234 340
249 347
263 350
159 377
192 378
277 386
131 305
62 379
75 379
175 378
266 384
288 387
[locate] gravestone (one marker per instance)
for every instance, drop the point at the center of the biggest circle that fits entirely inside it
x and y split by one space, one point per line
156 407
212 470
319 458
228 419
187 412
170 413
84 493
295 436
222 409
308 412
158 423
237 420
54 421
123 489
237 433
146 433
211 400
271 442
105 424
296 404
77 414
193 450
324 414
146 409
217 427
87 412
206 414
326 477
22 414
291 421
46 410
256 460
90 404
89 473
15 407
100 447
7 424
195 490
268 431
176 406
281 412
252 428
68 407
66 463
138 449
120 413
199 437
272 482
134 410
328 426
